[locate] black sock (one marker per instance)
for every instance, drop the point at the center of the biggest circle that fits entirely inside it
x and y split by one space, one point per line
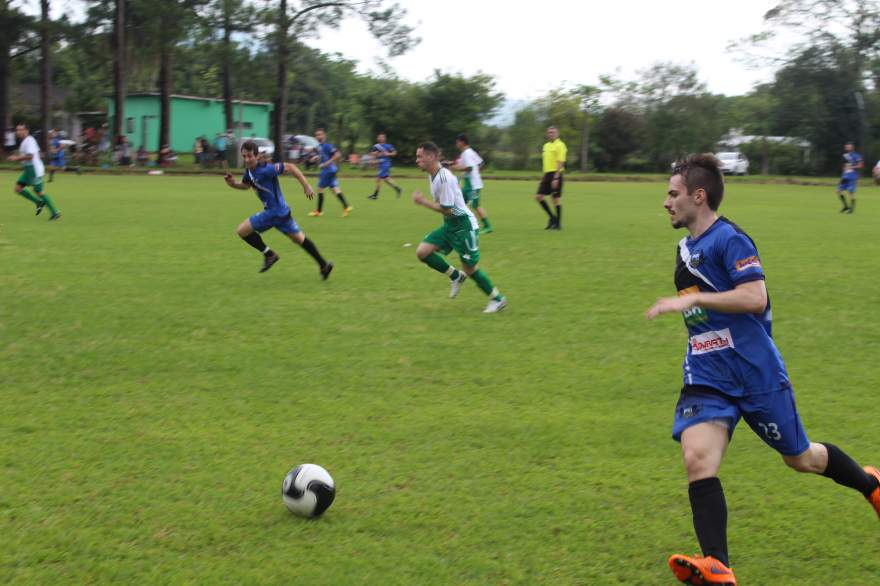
710 517
321 202
843 200
342 199
559 214
546 208
255 240
843 470
310 247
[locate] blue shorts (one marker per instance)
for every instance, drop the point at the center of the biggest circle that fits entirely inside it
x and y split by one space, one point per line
327 180
773 416
384 173
57 163
848 184
264 220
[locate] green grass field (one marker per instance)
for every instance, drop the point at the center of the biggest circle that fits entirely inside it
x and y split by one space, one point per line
155 389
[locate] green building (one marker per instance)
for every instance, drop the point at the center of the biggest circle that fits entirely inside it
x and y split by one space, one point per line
191 117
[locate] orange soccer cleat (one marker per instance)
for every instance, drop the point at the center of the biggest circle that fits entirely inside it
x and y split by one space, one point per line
701 571
874 498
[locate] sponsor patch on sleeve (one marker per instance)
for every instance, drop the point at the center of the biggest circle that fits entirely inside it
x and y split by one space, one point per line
751 262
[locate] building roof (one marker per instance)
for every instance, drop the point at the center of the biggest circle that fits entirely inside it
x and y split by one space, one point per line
199 98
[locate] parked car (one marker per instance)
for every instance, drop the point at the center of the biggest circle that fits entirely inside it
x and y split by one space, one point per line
733 163
302 148
265 146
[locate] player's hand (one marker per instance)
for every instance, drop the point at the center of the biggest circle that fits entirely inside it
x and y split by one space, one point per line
310 193
671 305
230 181
418 198
555 184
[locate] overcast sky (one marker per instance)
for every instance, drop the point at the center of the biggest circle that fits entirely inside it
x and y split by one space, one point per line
533 46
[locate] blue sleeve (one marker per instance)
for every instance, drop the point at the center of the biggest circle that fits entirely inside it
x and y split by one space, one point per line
269 171
857 159
741 260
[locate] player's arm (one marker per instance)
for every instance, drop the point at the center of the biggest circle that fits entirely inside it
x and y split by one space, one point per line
294 170
334 159
231 182
748 297
421 200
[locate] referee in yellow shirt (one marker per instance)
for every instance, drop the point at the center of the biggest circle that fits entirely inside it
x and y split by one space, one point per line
554 164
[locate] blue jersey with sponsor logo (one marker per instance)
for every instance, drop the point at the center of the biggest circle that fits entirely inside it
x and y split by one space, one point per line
264 180
382 149
731 352
850 161
327 151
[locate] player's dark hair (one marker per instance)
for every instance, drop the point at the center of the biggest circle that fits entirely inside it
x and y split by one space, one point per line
430 147
251 147
321 129
463 138
23 124
702 172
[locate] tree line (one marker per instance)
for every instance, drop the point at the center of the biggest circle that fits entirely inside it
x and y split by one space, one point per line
824 91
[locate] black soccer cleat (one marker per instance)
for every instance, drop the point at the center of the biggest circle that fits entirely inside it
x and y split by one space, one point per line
325 270
40 207
375 196
551 224
269 260
55 217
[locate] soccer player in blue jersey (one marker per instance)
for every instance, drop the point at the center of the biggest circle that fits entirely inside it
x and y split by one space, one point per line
384 151
849 180
329 155
262 177
732 368
56 149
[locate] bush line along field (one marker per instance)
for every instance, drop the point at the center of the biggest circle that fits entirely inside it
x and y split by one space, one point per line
156 389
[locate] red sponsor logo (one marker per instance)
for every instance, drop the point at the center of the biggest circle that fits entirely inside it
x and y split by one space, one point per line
752 262
711 341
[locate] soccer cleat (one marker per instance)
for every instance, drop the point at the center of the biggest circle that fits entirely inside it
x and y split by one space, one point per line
496 305
551 224
40 207
874 497
849 210
325 270
375 196
55 216
316 213
269 260
456 284
347 211
701 571
844 209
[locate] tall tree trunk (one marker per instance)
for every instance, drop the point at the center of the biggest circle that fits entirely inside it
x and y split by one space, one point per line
281 100
164 94
5 114
585 141
45 77
227 66
119 70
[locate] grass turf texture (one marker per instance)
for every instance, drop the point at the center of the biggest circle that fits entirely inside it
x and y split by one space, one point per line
156 389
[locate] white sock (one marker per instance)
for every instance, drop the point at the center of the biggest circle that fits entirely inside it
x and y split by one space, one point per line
450 271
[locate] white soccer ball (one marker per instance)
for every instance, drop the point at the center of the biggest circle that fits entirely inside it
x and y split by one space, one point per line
308 490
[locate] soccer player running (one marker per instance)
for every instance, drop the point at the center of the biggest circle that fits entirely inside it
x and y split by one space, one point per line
470 163
849 180
56 149
459 231
32 172
384 151
732 368
553 158
262 177
330 155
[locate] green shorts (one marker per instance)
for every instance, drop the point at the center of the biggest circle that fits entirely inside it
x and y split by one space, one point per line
29 177
466 242
471 195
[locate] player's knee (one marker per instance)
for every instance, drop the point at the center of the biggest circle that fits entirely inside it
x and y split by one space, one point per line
698 461
539 197
802 462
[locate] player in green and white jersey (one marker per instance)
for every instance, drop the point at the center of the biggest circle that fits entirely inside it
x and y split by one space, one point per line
32 172
460 231
470 162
